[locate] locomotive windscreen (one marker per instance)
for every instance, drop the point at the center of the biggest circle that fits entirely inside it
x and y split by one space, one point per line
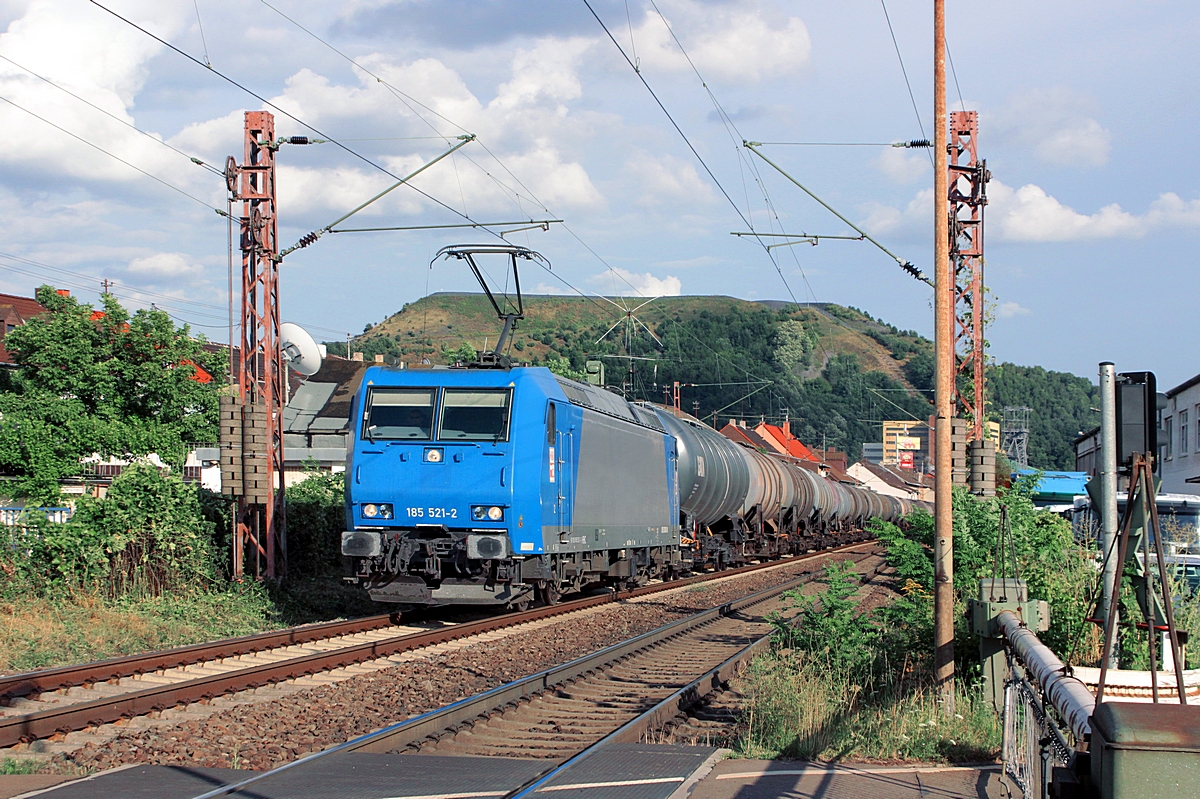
399 413
474 415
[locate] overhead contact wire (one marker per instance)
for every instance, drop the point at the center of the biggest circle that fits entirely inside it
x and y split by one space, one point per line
686 141
114 156
269 104
113 116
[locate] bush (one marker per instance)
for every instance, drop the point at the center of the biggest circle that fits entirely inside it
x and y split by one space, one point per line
316 517
147 537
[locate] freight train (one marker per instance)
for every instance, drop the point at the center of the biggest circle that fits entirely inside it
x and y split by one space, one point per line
505 485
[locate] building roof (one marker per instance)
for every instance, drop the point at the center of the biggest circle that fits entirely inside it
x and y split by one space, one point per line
745 435
1177 390
1058 485
787 443
15 310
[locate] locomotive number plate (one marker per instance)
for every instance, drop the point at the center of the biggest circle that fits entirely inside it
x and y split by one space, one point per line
432 513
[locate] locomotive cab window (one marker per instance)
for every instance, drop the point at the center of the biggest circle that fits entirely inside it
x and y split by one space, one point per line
399 413
475 415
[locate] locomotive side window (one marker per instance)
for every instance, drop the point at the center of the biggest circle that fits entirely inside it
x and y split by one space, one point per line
474 415
400 413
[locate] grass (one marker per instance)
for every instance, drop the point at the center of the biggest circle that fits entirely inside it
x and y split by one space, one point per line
12 766
797 710
45 631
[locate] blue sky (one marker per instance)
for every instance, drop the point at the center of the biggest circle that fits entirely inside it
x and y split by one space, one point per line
1087 116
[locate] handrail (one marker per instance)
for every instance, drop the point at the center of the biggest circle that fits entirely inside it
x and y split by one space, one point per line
1066 693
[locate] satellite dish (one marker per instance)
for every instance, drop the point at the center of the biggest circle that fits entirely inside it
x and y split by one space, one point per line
299 350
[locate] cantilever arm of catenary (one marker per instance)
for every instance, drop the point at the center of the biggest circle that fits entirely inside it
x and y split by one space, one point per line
907 266
316 234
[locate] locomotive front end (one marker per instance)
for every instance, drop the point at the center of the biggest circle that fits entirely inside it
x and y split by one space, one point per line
433 515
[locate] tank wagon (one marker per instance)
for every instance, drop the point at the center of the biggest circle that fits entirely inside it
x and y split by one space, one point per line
503 485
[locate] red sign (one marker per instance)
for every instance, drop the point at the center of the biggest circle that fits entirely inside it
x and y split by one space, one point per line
906 459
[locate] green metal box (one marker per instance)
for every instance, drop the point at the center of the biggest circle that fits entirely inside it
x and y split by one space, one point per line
1146 751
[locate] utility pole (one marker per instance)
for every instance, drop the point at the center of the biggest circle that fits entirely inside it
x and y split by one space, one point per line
1108 490
944 289
252 419
968 178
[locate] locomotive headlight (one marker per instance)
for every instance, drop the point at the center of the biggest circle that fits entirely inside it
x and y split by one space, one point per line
434 454
491 513
381 510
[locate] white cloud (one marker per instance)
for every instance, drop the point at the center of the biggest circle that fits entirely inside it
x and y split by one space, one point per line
1008 310
626 283
655 180
165 264
883 220
903 166
742 41
1056 124
1030 214
98 58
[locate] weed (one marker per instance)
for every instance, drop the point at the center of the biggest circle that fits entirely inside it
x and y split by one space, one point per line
23 766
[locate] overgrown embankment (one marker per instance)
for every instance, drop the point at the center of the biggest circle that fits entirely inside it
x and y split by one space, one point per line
843 684
145 568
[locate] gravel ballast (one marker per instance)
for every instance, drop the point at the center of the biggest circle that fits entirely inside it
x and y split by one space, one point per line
262 735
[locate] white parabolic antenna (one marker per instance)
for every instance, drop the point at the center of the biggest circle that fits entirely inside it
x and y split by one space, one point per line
300 351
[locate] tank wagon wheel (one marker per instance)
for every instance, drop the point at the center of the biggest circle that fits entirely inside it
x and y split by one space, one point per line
521 603
548 593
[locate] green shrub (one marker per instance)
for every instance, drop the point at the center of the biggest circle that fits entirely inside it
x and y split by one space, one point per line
146 537
316 517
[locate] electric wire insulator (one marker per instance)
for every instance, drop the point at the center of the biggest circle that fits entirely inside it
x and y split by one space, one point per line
297 140
918 143
311 238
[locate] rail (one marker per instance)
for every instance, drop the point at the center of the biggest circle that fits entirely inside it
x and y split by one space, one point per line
69 717
411 732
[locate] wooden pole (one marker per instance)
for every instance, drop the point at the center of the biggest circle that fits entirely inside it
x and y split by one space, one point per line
943 591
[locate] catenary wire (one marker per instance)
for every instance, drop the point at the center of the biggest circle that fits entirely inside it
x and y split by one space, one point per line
408 101
268 103
903 70
688 142
126 123
962 104
94 146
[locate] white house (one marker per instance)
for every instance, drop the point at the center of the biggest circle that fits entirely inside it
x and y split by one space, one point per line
1180 447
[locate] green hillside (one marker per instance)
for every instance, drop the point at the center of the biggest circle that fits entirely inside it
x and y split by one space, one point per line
834 371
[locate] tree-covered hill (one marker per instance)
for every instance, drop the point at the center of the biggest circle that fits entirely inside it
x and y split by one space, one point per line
834 371
1062 406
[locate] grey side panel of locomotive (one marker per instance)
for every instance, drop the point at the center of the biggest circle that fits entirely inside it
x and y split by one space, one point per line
621 494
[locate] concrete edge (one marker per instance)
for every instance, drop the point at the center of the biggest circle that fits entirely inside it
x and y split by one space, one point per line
701 771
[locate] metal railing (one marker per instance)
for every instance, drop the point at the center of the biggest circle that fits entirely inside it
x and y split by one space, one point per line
19 517
1033 745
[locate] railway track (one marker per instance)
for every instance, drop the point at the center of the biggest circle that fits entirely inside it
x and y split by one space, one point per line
568 713
44 703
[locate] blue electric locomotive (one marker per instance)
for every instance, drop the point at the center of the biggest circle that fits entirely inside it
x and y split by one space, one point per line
493 486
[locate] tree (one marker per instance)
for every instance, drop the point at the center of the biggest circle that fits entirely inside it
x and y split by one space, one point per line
100 382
